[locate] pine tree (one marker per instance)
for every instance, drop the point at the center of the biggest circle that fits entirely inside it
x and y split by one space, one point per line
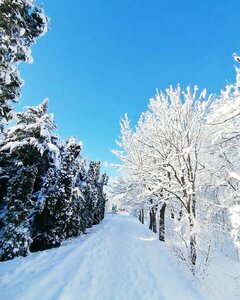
54 209
46 194
5 170
29 145
31 140
81 203
94 196
21 23
15 232
102 198
76 225
91 192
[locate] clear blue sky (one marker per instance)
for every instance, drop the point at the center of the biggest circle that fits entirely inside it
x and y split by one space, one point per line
103 58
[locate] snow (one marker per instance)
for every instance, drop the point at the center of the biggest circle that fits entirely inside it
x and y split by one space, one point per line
7 79
56 154
119 259
234 175
237 76
13 145
22 31
223 281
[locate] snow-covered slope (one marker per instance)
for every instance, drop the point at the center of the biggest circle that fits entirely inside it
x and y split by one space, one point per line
118 259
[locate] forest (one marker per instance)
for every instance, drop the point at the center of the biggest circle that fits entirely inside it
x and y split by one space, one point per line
48 192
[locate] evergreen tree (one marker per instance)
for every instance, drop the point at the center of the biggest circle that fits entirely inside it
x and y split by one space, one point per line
21 23
54 209
29 150
102 198
46 194
31 142
15 232
81 184
6 168
91 192
76 225
94 196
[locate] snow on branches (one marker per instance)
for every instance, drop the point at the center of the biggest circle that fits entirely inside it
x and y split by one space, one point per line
183 146
21 23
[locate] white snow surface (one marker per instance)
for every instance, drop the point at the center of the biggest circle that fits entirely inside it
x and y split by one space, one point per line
120 259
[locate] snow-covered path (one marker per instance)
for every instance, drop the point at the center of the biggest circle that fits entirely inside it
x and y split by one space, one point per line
119 259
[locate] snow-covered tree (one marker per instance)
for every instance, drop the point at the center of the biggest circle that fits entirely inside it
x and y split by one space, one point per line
221 165
91 191
64 199
162 154
15 235
21 23
29 145
102 198
31 141
46 193
33 128
81 216
54 210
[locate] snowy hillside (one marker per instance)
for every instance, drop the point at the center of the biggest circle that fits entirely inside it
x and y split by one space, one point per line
118 259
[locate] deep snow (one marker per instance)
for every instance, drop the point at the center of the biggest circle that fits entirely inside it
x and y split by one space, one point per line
118 259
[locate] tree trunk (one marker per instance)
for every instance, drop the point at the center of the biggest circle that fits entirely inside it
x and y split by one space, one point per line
150 217
154 219
142 216
162 223
193 242
193 252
